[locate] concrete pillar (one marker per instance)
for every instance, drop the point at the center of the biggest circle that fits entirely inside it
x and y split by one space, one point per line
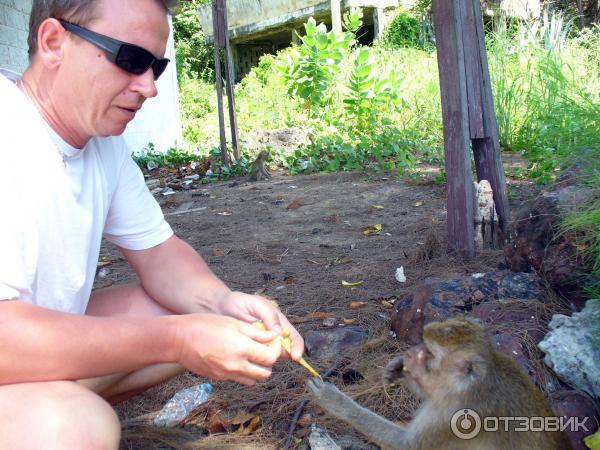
232 60
295 38
336 15
378 23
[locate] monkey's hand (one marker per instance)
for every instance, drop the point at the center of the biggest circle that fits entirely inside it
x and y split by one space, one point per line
328 397
378 429
394 371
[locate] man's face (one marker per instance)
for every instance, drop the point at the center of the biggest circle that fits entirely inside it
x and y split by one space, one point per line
104 98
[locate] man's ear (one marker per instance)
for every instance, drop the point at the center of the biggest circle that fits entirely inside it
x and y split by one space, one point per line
51 37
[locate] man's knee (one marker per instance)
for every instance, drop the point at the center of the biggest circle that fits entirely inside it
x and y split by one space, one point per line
129 300
57 415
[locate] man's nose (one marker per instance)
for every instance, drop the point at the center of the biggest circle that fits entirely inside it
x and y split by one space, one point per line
145 84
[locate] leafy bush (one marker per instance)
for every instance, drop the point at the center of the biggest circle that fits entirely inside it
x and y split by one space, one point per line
149 157
194 57
310 75
197 100
261 100
406 30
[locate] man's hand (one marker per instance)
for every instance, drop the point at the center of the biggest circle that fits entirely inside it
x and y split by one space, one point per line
250 308
225 348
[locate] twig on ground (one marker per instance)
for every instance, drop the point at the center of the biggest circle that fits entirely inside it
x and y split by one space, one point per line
294 423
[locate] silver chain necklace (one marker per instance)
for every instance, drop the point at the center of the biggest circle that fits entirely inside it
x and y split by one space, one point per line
25 90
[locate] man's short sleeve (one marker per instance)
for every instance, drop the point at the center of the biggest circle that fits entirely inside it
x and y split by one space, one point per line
135 220
17 241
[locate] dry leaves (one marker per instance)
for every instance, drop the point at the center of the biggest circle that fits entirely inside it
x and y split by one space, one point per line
356 305
296 203
372 229
351 283
243 422
311 317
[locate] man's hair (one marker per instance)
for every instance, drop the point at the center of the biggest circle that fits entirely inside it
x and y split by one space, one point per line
80 12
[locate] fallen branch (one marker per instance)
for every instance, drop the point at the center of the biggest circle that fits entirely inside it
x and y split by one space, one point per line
300 409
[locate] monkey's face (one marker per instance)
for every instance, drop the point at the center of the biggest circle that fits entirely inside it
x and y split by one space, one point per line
448 361
414 367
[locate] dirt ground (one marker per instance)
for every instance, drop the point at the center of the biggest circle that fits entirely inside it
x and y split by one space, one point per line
294 239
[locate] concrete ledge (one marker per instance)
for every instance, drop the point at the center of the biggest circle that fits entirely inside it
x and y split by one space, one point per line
251 17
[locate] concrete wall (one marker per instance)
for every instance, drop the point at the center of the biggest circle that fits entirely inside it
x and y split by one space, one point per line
245 12
524 9
157 122
14 26
247 16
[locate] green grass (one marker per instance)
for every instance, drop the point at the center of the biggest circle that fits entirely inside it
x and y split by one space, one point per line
585 225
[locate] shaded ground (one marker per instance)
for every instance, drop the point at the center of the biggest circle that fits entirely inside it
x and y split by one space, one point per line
294 239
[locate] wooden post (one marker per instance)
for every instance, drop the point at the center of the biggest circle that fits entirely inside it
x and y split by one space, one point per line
336 15
230 85
488 160
219 43
221 34
453 89
469 117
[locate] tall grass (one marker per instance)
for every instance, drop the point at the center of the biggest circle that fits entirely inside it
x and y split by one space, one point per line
585 225
546 88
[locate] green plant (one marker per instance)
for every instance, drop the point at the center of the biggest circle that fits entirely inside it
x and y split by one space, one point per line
309 76
371 95
237 168
406 30
149 157
440 178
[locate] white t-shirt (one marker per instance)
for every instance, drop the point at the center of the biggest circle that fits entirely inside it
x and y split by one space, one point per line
53 214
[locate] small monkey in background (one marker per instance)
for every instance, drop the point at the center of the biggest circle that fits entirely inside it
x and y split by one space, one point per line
456 368
259 168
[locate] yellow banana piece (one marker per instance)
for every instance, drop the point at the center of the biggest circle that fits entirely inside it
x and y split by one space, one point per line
286 343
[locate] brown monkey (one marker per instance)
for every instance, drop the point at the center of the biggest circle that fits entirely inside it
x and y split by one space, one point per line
259 169
455 370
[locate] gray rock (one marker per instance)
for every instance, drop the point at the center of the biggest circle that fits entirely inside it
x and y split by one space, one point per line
526 318
153 184
439 300
332 343
320 440
536 242
576 404
352 443
572 348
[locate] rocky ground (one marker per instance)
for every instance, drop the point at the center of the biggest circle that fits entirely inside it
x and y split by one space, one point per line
327 248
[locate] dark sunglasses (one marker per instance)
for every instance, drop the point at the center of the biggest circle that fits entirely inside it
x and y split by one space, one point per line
129 57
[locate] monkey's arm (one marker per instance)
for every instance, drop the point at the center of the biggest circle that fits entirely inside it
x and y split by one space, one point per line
378 429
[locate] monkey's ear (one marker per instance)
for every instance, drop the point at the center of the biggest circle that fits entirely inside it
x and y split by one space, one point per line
473 367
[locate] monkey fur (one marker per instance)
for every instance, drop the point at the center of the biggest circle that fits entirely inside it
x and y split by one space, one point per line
259 170
455 368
